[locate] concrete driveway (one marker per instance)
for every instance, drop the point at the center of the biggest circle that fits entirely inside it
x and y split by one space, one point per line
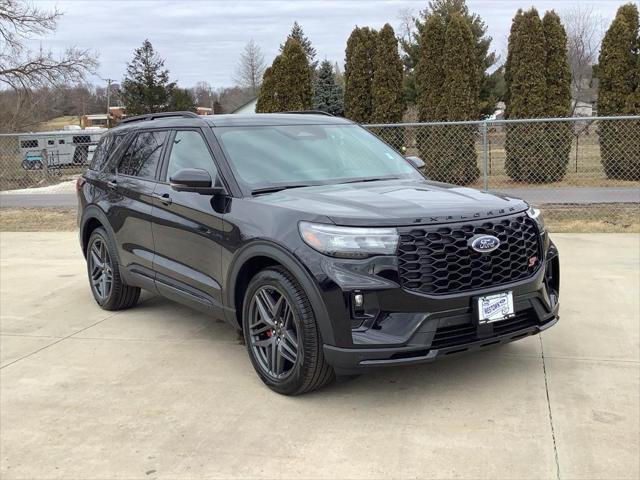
160 391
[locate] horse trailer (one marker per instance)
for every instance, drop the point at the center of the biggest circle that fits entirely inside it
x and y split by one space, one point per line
58 149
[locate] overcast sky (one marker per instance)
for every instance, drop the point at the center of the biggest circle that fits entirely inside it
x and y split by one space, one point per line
202 40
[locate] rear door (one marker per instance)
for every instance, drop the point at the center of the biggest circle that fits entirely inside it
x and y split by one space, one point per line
187 228
130 200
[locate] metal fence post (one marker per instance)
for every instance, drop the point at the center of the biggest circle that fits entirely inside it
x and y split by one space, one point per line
485 157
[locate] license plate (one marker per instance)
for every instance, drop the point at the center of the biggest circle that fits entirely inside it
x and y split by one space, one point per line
494 308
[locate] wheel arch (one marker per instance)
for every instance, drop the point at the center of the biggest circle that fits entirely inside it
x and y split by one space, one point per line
93 218
259 255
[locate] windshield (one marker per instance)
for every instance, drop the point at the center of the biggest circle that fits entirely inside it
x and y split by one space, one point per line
298 155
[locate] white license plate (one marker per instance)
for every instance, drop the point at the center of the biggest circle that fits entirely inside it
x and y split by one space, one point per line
494 308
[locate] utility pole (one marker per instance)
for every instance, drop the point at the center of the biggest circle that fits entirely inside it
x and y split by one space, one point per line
213 103
109 82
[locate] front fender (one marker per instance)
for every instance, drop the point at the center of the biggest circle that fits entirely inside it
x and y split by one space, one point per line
262 248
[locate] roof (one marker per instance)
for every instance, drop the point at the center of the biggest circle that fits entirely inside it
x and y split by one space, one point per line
272 119
57 133
246 105
230 120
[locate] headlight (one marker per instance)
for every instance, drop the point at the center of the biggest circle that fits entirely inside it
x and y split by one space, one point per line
536 215
349 242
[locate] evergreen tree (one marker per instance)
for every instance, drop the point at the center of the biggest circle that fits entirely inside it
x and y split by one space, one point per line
266 99
525 78
146 87
338 75
328 95
459 96
358 74
430 68
557 70
386 87
447 87
558 99
455 158
527 150
298 34
387 102
287 83
618 94
444 9
182 101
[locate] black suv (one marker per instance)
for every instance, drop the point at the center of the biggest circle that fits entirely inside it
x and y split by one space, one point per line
327 248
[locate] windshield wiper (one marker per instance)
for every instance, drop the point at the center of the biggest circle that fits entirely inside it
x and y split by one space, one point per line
371 179
277 188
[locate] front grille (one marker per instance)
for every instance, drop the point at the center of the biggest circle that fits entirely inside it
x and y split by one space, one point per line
438 260
467 332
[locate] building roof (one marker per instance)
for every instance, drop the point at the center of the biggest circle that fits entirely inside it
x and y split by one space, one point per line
248 107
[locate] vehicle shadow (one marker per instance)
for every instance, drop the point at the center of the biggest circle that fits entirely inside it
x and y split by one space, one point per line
497 367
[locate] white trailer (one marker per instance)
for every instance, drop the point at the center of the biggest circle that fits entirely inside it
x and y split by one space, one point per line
58 149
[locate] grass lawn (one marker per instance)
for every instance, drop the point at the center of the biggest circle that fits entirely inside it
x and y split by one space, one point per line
37 219
57 123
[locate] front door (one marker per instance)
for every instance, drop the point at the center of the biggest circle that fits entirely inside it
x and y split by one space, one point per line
187 229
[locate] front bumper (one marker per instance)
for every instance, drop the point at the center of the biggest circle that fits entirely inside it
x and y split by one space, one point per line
447 339
400 327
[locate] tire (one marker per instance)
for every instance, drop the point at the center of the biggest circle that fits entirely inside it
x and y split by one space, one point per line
310 370
107 287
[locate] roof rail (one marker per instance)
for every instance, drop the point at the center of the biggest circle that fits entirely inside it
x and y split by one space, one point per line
311 112
153 116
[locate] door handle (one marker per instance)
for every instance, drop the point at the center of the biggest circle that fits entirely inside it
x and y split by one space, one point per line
165 199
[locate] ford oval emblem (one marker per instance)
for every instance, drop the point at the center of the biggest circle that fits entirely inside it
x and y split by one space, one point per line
484 243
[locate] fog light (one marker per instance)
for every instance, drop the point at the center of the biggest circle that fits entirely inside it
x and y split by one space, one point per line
358 300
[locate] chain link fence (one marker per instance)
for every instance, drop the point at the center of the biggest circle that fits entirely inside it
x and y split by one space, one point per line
583 172
47 162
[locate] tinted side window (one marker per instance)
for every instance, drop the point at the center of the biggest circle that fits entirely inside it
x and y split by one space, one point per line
106 146
142 157
190 150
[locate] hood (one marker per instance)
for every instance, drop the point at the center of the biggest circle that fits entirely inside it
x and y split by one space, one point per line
394 202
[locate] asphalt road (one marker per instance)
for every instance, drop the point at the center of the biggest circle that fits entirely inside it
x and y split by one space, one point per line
161 391
577 195
40 200
568 195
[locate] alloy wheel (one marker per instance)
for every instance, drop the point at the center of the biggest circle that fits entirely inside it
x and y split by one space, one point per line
273 332
101 269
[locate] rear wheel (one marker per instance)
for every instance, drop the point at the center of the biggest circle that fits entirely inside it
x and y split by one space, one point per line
281 334
108 289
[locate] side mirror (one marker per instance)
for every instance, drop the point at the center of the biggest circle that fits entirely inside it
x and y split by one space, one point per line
415 161
194 180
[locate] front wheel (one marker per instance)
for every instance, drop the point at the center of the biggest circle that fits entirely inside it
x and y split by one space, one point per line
281 334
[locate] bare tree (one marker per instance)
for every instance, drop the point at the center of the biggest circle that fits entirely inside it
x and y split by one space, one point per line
203 94
251 67
584 27
407 24
23 69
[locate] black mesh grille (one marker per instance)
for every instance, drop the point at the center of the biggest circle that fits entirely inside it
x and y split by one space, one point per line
438 260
